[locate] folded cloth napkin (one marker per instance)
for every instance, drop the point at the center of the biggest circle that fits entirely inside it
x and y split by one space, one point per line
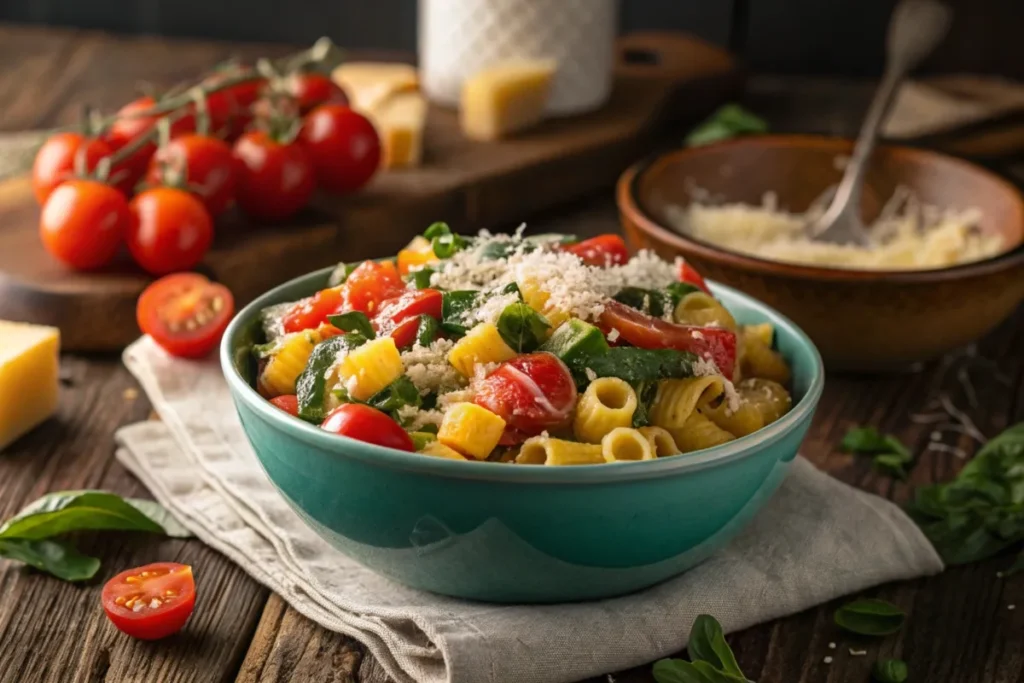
815 540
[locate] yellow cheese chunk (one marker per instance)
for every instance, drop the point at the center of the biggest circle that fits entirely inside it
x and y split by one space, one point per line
505 99
29 368
368 84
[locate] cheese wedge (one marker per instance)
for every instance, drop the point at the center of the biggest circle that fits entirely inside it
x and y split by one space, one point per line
368 84
505 99
29 369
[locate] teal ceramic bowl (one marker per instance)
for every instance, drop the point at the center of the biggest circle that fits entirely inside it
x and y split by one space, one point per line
520 533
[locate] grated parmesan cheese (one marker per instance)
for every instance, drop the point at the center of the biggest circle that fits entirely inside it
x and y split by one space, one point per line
414 419
613 334
591 375
491 309
428 368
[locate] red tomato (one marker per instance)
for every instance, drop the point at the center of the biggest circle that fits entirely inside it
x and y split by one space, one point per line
83 223
150 602
201 164
289 403
132 121
230 109
56 161
604 250
404 333
312 89
170 230
401 314
370 284
363 423
185 313
532 393
343 147
312 311
647 332
689 275
275 180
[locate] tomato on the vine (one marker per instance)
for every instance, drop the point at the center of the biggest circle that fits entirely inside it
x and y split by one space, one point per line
150 602
57 161
230 109
83 223
185 313
170 230
201 164
532 393
361 422
343 146
312 89
132 121
275 179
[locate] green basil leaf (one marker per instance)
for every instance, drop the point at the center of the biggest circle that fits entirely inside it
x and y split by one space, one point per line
870 617
869 440
444 242
340 273
634 365
676 671
427 330
677 290
646 391
402 392
63 511
649 301
311 385
707 644
890 671
54 557
891 464
272 320
522 328
162 516
353 321
455 305
421 277
729 121
421 439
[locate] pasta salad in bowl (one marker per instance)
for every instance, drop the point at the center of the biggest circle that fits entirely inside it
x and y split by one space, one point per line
460 417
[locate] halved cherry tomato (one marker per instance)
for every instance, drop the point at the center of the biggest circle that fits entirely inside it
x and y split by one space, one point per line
199 163
343 146
371 283
56 160
689 275
150 602
312 89
361 422
419 252
532 393
133 121
83 223
603 250
170 230
404 333
312 311
289 403
185 313
647 332
275 180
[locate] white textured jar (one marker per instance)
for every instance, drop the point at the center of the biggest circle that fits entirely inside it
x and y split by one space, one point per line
458 38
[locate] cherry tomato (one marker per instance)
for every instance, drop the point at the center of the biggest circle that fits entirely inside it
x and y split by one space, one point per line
185 313
150 602
689 275
343 146
647 332
361 422
312 89
230 110
312 311
201 164
289 403
532 393
400 315
275 180
56 161
604 250
132 121
371 283
419 252
83 223
170 230
404 333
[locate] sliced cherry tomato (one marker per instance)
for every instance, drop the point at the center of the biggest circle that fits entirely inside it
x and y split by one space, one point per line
343 146
404 333
199 163
639 329
312 89
150 602
275 180
83 223
56 161
313 311
133 121
289 403
361 422
370 284
409 304
603 250
532 393
170 230
419 252
689 275
185 313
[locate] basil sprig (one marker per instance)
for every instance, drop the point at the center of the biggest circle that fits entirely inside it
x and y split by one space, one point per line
870 617
890 455
712 660
353 321
890 671
443 241
522 328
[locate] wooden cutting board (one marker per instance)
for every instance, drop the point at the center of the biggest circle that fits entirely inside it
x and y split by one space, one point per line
664 82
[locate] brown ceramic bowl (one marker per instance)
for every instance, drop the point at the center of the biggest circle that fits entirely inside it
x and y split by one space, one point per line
860 320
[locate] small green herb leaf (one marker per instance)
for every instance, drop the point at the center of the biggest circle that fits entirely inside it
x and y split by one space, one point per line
427 330
890 671
682 671
870 617
646 392
677 290
455 305
51 556
63 511
522 328
402 392
353 321
707 644
729 121
892 464
421 277
444 242
869 440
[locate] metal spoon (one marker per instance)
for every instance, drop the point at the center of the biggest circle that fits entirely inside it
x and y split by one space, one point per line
915 28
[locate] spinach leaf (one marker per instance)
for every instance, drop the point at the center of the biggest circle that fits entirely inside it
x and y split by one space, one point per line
646 391
707 643
311 385
870 617
427 330
443 241
54 557
401 392
889 671
522 328
63 511
729 121
353 321
634 365
454 307
649 301
421 277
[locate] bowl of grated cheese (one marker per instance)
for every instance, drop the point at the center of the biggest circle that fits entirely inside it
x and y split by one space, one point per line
944 267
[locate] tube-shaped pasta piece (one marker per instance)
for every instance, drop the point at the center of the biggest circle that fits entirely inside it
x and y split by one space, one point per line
699 432
769 398
439 450
661 441
747 419
699 308
678 398
624 444
759 360
764 332
607 403
482 344
369 368
471 430
543 450
287 362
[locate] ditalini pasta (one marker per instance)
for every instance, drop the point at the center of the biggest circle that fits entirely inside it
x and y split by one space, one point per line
532 351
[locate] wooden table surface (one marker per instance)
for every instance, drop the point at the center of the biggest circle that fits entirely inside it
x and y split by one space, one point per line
961 628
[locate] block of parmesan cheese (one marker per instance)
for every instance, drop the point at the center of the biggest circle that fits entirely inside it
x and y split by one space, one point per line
367 84
505 99
29 368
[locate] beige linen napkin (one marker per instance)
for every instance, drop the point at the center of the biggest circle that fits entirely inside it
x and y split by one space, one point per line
815 540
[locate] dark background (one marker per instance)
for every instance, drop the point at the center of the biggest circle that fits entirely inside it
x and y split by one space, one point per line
841 37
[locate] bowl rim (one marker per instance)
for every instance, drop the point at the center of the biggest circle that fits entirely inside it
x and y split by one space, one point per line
628 203
539 474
